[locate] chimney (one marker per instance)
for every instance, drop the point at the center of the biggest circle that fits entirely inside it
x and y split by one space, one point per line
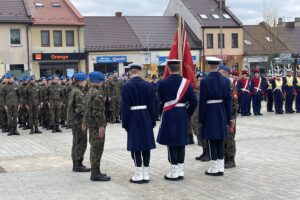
223 3
119 14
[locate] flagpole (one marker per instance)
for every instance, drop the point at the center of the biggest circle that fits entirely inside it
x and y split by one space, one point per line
180 43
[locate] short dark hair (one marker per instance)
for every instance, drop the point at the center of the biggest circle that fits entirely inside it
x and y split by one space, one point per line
174 67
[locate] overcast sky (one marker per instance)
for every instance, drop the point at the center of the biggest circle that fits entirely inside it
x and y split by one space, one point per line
248 11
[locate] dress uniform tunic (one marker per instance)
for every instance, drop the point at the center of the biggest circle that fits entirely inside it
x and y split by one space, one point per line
175 123
138 121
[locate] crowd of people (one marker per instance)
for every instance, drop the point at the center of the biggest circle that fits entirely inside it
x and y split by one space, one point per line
88 102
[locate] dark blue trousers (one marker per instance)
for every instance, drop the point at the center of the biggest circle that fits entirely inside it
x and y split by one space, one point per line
298 102
270 100
256 102
245 102
289 99
278 100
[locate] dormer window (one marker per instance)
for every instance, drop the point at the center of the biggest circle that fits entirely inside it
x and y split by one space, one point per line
268 39
226 16
38 4
247 42
215 16
56 5
203 16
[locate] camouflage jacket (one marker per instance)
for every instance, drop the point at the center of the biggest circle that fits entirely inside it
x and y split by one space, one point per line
95 111
54 94
33 94
11 95
76 106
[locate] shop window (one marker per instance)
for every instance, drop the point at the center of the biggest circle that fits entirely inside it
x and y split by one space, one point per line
210 41
235 40
45 38
57 36
15 36
70 38
219 40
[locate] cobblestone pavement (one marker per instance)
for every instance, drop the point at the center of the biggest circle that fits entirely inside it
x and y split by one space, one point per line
268 160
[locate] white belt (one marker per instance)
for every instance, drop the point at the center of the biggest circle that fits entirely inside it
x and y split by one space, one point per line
144 107
245 90
180 105
258 89
214 101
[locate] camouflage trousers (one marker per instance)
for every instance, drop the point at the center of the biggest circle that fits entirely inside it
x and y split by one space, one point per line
63 114
23 115
79 143
97 148
3 117
230 147
12 114
33 115
115 107
54 115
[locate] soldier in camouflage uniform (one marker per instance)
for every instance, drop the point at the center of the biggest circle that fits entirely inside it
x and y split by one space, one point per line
95 121
3 114
54 95
63 116
11 104
230 148
34 101
76 111
114 93
23 110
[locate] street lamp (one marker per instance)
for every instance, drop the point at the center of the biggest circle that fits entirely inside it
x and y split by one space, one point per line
221 27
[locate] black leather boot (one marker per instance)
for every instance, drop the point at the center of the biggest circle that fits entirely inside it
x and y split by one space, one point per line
37 131
97 176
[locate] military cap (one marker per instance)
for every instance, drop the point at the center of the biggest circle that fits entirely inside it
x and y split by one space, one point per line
80 76
96 77
213 60
8 75
234 72
135 66
225 68
245 71
256 70
173 62
31 78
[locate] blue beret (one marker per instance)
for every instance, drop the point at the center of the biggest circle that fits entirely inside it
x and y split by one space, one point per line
43 78
96 77
225 68
80 76
32 78
49 78
8 75
62 77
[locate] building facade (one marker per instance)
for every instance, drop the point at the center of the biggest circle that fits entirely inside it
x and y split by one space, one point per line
14 38
205 18
57 38
112 43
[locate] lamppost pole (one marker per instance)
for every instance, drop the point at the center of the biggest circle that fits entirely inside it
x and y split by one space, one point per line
221 29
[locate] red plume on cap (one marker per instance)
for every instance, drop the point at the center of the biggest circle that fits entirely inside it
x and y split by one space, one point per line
234 72
256 70
245 71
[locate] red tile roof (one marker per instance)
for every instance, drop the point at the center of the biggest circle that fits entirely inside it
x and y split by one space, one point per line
47 14
13 11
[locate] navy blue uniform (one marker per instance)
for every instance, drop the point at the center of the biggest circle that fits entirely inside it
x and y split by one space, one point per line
243 87
216 116
278 94
288 86
257 89
297 88
139 123
174 126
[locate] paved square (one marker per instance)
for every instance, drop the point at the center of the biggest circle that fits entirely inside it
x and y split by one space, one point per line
268 161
